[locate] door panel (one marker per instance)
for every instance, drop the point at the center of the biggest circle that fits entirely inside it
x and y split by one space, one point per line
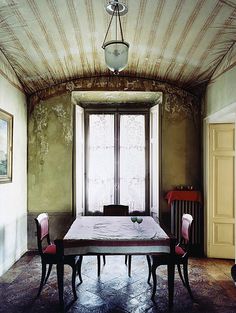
221 208
223 184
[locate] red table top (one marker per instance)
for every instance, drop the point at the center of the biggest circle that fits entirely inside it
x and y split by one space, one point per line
187 195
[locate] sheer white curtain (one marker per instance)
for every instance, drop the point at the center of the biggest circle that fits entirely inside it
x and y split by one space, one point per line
100 161
104 164
132 161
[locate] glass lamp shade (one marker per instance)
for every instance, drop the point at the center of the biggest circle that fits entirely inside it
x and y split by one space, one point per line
116 55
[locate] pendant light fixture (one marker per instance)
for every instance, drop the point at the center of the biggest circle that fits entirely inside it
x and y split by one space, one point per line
116 51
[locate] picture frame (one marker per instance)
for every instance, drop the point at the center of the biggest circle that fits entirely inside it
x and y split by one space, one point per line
6 144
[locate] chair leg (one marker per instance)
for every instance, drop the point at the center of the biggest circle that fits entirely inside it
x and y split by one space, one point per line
99 264
149 268
73 280
129 265
104 259
48 274
79 268
126 259
44 268
180 274
185 267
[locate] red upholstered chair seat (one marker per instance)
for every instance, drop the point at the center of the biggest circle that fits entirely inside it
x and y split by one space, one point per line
179 251
50 249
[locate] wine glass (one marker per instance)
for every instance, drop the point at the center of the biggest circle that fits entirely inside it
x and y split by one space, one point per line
134 219
139 220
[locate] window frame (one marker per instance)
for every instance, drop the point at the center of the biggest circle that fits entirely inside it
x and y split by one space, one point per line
119 109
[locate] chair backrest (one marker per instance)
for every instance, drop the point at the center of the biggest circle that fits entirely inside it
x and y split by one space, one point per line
115 210
42 226
186 228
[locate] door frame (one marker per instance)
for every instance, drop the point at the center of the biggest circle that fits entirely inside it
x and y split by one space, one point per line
226 115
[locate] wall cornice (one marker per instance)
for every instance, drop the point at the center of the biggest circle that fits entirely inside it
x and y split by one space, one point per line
108 83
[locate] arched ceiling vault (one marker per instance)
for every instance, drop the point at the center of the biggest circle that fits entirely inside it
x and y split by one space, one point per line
48 42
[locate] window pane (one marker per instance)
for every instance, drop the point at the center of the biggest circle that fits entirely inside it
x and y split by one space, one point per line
100 178
132 161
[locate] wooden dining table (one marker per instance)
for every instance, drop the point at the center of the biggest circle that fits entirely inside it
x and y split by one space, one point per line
115 235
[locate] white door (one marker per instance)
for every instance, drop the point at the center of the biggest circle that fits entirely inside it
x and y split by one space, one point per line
221 212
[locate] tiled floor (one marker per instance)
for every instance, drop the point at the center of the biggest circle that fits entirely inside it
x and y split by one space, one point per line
115 292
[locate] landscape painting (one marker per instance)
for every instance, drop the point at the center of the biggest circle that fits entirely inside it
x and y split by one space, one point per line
6 124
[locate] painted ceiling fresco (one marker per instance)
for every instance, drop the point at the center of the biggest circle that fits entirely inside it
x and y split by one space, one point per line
52 41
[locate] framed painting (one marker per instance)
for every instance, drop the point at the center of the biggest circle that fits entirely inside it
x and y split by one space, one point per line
6 132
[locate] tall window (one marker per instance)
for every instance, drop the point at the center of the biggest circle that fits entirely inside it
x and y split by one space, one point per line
116 160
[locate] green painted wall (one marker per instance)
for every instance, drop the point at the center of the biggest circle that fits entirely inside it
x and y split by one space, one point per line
50 156
50 148
180 149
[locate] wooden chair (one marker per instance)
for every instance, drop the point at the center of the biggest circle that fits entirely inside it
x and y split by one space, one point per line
115 210
48 253
181 254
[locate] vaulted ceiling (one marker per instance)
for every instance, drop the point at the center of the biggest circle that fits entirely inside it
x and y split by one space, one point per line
179 41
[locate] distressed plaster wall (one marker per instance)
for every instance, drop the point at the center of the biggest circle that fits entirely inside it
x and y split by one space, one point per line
180 149
50 143
13 195
50 164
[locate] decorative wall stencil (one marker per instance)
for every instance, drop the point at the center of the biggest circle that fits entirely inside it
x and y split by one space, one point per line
50 155
108 83
6 132
180 108
65 119
70 86
40 124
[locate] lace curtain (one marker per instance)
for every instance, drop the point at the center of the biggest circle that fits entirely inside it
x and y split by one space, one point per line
101 162
100 175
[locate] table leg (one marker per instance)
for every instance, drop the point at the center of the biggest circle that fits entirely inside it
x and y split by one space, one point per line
60 282
171 276
129 265
60 271
99 264
171 271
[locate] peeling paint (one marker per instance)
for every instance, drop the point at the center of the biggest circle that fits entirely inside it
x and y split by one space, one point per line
66 122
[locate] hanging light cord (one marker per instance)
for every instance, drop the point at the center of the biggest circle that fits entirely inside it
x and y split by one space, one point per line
121 32
108 28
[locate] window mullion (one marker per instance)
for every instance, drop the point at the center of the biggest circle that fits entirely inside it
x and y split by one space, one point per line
117 158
